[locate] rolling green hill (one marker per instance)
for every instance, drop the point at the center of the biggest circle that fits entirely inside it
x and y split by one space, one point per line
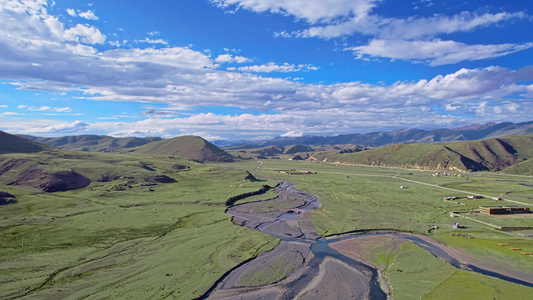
523 168
186 146
13 144
491 154
93 143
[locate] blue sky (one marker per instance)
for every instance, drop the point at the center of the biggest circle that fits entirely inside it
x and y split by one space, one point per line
255 69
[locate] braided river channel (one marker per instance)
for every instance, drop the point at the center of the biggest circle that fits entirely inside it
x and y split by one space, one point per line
303 265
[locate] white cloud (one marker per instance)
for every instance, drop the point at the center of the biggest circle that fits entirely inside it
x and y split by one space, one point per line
3 106
89 15
228 58
39 108
436 52
72 12
62 109
22 106
180 78
58 128
410 28
272 67
85 34
293 134
152 41
389 37
311 11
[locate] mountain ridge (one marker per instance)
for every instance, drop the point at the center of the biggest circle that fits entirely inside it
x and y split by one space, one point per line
494 154
401 136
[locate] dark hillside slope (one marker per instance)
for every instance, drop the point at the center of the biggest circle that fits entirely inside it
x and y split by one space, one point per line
94 143
490 154
13 144
186 146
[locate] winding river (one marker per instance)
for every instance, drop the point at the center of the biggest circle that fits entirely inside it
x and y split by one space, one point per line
303 264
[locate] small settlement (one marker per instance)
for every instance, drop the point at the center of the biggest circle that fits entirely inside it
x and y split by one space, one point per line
295 172
503 210
467 197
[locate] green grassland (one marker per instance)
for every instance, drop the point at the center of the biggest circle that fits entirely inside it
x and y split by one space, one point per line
357 197
415 274
128 236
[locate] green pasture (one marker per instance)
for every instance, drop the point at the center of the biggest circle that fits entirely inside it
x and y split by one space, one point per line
355 197
416 274
130 237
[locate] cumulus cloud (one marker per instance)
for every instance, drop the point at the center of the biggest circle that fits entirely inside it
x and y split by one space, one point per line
89 15
41 53
3 106
229 58
72 12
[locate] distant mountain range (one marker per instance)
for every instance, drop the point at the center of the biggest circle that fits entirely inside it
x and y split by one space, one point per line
411 148
409 136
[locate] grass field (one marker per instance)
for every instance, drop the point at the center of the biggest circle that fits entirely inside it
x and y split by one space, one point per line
130 237
149 239
355 197
416 274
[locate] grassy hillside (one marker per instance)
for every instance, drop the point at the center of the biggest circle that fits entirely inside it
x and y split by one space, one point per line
93 143
187 146
13 144
523 168
490 154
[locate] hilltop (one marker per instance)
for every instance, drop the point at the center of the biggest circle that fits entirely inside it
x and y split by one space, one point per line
13 144
187 146
490 154
93 143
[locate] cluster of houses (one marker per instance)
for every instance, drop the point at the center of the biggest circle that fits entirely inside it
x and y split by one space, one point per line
295 172
503 210
437 174
467 197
